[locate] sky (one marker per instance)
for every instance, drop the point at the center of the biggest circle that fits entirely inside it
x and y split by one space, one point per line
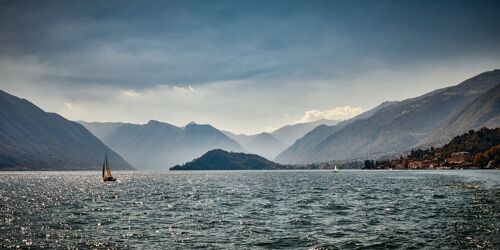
242 66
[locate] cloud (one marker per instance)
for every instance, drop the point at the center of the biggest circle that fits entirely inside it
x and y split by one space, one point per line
68 105
188 88
130 93
338 113
240 106
198 42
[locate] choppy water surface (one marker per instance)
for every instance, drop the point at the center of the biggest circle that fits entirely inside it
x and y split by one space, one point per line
275 209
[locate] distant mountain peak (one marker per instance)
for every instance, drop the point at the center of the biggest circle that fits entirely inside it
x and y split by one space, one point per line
264 134
154 122
200 127
157 145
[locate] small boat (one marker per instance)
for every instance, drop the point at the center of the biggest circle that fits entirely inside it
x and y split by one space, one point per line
106 172
335 169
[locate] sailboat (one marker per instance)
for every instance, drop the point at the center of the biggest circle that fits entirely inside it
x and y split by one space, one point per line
106 172
335 169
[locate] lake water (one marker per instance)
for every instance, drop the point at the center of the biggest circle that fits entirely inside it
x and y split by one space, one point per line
251 209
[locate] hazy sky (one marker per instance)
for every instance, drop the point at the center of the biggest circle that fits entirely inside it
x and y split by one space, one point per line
244 66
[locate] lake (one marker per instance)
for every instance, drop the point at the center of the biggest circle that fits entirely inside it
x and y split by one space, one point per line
251 209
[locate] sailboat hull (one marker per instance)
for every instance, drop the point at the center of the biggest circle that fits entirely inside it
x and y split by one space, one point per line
109 178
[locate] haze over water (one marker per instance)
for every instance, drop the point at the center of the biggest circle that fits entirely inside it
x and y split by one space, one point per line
250 209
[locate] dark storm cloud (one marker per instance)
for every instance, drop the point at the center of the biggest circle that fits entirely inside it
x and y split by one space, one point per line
143 43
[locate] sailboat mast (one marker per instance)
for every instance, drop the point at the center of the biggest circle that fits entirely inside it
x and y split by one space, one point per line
103 170
107 166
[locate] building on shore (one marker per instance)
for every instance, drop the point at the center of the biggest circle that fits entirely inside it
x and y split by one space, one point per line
401 163
424 164
460 157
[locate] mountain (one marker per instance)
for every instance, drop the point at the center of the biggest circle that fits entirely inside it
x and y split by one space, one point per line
266 145
473 142
306 145
101 129
263 144
290 133
242 139
222 160
396 127
159 145
484 111
270 145
32 139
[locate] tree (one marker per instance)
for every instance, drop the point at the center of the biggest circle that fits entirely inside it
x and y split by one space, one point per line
496 160
494 151
367 164
480 160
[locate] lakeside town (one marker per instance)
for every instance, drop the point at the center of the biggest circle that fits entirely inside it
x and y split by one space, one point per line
473 150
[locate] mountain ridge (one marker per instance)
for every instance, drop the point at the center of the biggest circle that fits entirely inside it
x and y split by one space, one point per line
394 128
159 145
271 144
481 112
33 139
307 143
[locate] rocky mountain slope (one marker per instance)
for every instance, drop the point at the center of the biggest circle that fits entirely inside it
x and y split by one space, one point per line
398 126
32 139
484 111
